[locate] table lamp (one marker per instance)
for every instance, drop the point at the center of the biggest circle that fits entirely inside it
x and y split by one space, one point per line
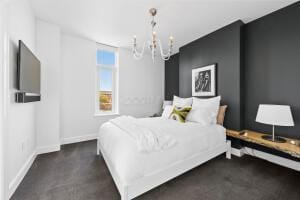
275 115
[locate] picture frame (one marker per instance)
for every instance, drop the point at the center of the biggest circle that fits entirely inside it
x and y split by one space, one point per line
204 81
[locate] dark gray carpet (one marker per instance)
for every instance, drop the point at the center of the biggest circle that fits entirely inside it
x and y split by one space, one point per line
77 173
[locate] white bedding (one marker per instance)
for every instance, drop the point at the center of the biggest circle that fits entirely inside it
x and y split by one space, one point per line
131 164
148 136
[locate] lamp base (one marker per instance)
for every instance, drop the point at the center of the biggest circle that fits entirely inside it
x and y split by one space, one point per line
276 138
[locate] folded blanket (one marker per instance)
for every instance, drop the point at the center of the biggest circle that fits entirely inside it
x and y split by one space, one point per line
148 138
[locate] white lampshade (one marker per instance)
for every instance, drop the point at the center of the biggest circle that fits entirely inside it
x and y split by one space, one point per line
278 115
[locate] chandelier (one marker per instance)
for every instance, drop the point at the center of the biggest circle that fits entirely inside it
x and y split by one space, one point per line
153 43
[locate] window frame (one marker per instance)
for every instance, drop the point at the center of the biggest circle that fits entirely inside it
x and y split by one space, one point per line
115 81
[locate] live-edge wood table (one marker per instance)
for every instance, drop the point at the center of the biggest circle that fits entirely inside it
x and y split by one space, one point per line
255 137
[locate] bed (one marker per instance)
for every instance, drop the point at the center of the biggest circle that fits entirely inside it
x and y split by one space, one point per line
135 172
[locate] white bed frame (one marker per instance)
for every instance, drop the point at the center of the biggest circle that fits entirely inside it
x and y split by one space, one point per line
147 183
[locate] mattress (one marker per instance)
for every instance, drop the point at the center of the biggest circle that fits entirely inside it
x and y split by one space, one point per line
130 164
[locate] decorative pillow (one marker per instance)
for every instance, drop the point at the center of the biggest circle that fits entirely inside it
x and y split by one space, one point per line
221 114
212 104
167 111
180 113
202 116
182 102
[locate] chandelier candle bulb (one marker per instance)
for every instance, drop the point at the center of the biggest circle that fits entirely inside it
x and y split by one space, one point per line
171 40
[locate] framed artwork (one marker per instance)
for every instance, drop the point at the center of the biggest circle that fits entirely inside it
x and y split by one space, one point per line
204 81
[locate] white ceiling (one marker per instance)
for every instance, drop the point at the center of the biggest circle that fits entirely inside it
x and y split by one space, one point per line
114 22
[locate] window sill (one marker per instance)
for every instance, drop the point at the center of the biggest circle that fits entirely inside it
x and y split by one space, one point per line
106 114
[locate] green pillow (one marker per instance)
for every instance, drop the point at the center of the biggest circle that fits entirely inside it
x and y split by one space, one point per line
180 113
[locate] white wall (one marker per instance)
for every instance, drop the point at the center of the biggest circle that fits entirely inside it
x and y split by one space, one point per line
78 88
20 117
140 87
48 48
2 130
141 84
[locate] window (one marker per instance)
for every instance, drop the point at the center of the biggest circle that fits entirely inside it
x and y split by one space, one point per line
106 79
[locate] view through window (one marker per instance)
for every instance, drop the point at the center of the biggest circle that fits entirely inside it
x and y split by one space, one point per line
106 80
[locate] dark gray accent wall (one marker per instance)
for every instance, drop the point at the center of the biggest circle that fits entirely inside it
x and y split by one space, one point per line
224 48
258 63
172 77
272 66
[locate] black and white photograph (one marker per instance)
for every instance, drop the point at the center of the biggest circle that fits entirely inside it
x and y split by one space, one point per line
204 81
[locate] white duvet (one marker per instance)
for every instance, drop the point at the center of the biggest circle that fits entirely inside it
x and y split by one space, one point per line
130 163
149 137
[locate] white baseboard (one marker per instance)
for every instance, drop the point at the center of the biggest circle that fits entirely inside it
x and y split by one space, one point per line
273 158
13 185
237 152
79 139
47 149
267 156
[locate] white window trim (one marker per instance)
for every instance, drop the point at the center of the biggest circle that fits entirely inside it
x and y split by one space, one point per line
115 90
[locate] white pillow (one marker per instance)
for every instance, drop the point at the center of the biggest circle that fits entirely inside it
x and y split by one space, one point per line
200 115
182 102
211 104
167 111
166 103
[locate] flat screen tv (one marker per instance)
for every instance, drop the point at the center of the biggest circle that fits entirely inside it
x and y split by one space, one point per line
28 71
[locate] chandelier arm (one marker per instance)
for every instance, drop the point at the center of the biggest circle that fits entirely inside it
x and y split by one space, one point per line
136 54
167 55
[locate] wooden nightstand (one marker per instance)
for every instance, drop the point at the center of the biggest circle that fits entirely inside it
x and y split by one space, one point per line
255 137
